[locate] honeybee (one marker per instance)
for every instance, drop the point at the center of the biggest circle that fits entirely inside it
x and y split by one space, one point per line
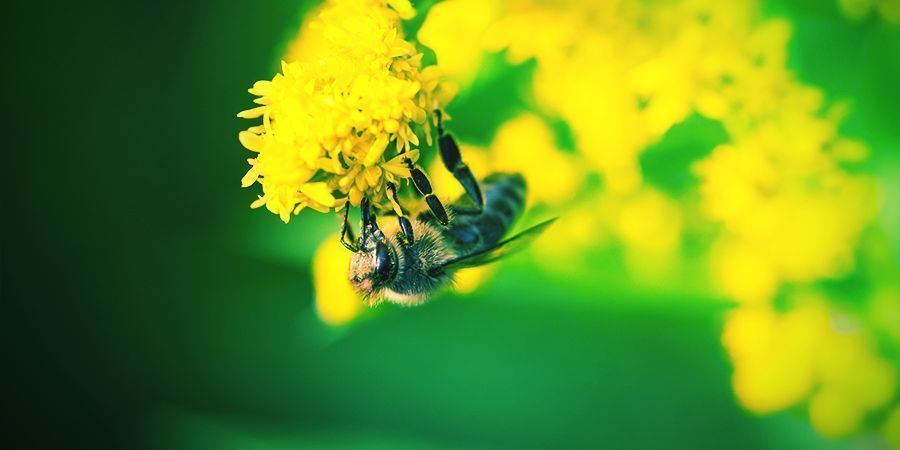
387 265
407 261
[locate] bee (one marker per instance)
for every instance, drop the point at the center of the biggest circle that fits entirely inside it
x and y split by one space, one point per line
387 266
406 262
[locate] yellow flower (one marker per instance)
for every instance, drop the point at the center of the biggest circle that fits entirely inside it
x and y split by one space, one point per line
467 281
743 271
525 144
813 353
835 413
336 301
790 212
335 121
773 355
454 29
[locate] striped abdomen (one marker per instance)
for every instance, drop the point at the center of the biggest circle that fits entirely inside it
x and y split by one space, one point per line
504 201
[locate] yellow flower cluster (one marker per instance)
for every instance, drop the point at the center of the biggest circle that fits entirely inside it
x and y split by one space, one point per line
812 351
333 122
595 66
621 74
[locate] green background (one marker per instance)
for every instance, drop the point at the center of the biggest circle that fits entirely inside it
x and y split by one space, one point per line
148 307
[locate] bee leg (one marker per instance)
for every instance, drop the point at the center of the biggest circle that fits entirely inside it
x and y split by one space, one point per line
347 232
423 185
452 159
369 221
405 225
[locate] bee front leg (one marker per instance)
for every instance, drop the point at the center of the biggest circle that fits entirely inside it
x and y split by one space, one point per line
347 232
405 225
369 222
452 158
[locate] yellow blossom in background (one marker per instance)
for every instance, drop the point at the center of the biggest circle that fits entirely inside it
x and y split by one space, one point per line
467 281
336 301
580 226
743 271
791 214
459 42
785 211
333 121
525 144
773 355
650 226
812 354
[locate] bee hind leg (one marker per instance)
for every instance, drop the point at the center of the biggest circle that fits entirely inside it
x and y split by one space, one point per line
423 185
452 158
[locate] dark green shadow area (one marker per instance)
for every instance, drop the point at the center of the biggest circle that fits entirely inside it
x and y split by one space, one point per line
524 364
667 164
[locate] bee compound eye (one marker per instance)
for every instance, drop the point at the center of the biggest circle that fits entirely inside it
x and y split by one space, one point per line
383 263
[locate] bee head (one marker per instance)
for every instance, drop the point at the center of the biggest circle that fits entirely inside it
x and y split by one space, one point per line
373 267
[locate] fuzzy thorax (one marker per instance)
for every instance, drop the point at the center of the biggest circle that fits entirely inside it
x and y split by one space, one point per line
412 284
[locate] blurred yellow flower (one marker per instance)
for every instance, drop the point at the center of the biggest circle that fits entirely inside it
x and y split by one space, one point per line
811 352
743 271
835 413
467 281
458 41
580 227
330 119
773 355
336 301
525 144
791 213
649 224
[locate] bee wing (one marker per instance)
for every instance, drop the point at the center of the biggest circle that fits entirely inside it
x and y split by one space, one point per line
503 248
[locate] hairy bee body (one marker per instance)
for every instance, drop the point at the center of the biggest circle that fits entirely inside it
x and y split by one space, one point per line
419 265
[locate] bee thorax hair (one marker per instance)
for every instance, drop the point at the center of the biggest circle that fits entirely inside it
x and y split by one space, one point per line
413 281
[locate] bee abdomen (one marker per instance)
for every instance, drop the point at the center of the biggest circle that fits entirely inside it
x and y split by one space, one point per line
504 201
